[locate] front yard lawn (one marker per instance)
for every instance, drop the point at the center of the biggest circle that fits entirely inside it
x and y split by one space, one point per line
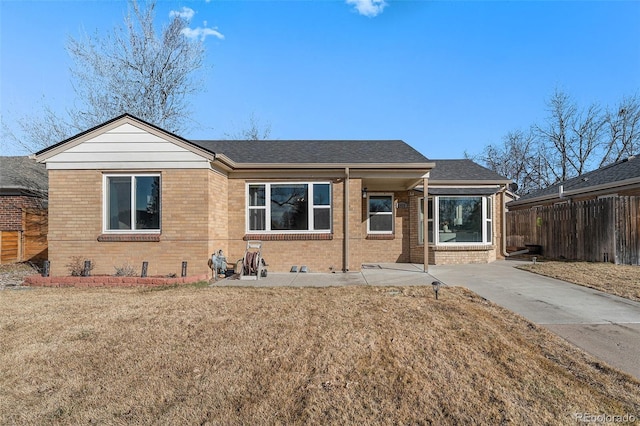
620 280
349 355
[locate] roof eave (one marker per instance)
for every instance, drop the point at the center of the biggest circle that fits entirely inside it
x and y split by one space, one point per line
473 182
389 166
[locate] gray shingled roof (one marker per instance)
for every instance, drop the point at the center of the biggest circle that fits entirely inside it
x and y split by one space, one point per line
463 170
622 170
314 151
18 174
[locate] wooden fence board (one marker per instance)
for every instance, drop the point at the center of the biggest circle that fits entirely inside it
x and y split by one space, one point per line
606 229
9 246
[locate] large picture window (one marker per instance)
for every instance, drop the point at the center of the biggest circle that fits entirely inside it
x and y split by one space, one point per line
460 220
281 207
380 214
132 203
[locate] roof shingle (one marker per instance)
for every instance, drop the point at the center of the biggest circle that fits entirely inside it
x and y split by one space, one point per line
314 151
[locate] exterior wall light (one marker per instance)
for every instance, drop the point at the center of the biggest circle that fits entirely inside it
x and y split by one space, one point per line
364 192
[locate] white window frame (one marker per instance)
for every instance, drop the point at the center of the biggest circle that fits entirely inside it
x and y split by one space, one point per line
392 213
487 218
429 221
105 204
311 207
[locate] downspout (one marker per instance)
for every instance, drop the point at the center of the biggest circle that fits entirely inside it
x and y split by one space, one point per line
503 220
425 222
345 255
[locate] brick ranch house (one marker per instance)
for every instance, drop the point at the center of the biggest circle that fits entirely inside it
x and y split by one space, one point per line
23 210
127 192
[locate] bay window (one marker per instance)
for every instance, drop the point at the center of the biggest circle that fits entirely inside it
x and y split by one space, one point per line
283 207
458 220
132 203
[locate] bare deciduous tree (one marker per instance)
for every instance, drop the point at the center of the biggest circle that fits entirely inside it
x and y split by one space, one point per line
516 158
570 142
622 130
252 131
561 118
135 68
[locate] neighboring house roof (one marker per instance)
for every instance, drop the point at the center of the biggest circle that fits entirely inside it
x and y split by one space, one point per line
314 151
624 174
22 174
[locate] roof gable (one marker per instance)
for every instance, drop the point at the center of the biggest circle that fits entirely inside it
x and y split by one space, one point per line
122 143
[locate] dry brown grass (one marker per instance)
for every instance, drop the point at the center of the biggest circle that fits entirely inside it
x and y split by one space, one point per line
290 356
621 280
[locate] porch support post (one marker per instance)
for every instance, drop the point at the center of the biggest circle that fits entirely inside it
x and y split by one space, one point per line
425 222
345 258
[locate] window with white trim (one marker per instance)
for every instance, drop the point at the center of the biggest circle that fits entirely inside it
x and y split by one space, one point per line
289 206
429 221
132 203
380 214
459 219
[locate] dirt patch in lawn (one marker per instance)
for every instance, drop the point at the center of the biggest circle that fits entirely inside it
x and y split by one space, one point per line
290 356
12 274
621 280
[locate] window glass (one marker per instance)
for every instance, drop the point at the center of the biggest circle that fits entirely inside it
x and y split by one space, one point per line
429 221
321 194
460 219
380 211
133 203
381 223
289 210
119 189
380 203
147 202
256 195
322 219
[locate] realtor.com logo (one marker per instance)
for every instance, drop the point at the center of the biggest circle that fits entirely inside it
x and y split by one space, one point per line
605 418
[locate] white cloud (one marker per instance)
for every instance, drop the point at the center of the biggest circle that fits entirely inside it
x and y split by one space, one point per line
368 8
184 13
202 33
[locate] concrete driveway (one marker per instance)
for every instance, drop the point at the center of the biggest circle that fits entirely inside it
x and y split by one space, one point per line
603 325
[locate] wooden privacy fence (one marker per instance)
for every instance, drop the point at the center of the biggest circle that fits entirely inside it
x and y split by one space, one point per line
604 230
28 244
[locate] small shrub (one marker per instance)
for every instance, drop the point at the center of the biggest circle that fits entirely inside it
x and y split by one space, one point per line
76 266
126 270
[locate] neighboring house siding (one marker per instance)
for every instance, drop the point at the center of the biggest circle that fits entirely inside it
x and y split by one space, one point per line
11 207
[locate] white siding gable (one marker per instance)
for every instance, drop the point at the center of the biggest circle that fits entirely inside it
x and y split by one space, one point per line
126 147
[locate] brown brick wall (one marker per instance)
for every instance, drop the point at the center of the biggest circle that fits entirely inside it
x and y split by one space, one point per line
75 208
317 255
11 208
387 248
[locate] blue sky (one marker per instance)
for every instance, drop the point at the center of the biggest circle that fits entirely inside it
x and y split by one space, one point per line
445 76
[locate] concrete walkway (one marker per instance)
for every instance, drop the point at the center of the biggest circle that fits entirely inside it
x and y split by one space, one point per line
603 325
382 274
